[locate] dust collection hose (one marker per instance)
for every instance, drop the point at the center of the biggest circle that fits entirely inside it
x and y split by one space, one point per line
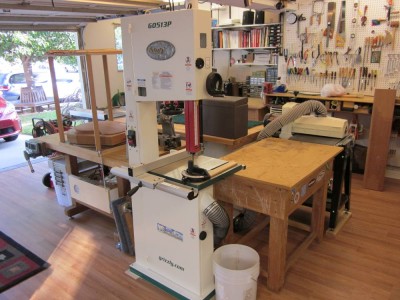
218 217
299 110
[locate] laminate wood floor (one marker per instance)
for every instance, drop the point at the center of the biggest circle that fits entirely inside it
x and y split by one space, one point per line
361 262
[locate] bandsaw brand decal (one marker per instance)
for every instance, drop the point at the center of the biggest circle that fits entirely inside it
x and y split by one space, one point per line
160 50
169 231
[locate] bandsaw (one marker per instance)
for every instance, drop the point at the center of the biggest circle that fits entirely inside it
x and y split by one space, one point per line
167 57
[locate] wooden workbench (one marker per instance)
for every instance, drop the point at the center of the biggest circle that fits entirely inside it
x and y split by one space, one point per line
279 176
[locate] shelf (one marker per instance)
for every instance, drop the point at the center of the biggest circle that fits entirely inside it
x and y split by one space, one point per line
344 98
243 37
247 48
253 64
244 26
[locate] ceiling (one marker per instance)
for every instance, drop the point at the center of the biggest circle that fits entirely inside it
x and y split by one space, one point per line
73 14
66 14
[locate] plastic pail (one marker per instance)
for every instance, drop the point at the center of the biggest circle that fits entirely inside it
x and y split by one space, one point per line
236 269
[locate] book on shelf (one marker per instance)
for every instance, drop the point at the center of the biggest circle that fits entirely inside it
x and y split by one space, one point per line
254 38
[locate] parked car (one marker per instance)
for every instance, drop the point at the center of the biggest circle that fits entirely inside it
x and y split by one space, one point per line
11 84
10 124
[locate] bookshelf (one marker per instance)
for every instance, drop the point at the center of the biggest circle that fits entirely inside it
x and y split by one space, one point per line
260 43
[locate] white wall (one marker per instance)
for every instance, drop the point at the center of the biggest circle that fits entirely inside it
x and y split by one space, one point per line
100 35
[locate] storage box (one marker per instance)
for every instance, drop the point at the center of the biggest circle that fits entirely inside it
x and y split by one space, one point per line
95 196
225 117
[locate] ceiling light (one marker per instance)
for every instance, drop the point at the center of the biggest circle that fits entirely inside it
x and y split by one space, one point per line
117 3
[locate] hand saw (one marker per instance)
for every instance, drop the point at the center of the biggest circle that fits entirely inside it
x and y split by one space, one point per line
341 32
330 28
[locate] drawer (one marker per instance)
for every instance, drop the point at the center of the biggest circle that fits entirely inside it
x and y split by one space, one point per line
95 196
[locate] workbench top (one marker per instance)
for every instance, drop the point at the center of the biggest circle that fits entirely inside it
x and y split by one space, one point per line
344 98
279 162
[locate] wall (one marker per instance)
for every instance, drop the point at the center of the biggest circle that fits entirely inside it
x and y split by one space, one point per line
373 40
100 35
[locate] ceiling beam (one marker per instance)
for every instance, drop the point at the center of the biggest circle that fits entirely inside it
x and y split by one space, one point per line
65 9
123 3
44 19
42 27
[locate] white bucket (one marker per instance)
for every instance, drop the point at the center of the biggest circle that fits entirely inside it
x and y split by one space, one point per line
236 269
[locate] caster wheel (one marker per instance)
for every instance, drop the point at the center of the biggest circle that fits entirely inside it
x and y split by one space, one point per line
47 182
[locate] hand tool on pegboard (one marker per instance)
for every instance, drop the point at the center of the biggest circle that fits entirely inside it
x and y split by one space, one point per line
394 25
376 22
341 32
388 39
300 18
317 11
389 9
353 24
330 26
363 64
364 17
358 57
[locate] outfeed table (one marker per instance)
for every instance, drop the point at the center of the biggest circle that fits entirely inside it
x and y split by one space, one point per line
279 176
111 157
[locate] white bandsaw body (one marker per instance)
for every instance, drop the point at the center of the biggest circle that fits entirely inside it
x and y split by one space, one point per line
173 237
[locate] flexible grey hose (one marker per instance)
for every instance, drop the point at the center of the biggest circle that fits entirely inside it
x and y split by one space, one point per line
299 110
245 220
220 220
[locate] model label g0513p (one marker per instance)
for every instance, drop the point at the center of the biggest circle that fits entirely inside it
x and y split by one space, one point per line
159 24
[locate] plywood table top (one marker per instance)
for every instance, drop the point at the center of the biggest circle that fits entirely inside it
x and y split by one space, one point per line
282 163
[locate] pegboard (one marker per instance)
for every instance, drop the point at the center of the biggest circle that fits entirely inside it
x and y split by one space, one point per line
378 38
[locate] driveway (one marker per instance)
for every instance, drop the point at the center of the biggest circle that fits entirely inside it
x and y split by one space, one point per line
12 157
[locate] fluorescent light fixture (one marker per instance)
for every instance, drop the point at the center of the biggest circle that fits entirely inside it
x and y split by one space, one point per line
126 3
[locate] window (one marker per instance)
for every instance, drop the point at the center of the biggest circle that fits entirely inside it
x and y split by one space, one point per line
118 45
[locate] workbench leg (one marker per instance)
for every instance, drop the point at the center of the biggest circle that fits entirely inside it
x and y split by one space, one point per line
123 186
318 211
277 253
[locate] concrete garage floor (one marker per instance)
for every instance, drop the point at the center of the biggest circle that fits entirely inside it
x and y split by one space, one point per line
12 157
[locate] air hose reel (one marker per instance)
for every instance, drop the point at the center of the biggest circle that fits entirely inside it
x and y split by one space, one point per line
214 84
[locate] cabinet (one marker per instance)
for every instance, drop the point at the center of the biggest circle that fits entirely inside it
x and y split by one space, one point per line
96 195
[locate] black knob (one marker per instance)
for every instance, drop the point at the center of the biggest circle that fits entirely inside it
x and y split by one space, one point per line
202 235
199 63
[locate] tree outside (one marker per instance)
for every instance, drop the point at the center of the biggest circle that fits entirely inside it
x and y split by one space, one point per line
28 47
